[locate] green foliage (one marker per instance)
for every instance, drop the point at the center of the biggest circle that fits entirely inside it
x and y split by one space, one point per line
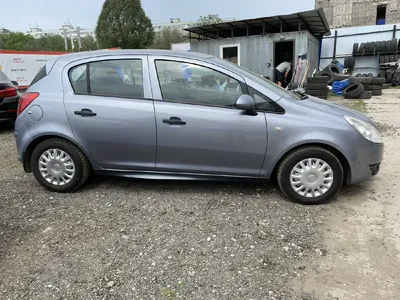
123 23
166 37
24 42
209 19
89 43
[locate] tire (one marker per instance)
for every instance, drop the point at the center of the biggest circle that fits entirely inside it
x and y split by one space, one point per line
347 62
393 45
382 59
397 57
367 87
365 95
358 75
387 58
370 75
316 86
317 93
368 48
377 47
382 46
382 74
363 80
332 68
79 160
378 80
376 92
385 86
286 168
353 91
352 62
318 79
387 47
392 58
375 87
361 49
355 49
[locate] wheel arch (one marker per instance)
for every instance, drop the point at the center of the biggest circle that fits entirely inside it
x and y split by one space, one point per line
341 157
26 159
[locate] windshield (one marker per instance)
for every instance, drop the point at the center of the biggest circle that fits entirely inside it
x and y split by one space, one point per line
260 79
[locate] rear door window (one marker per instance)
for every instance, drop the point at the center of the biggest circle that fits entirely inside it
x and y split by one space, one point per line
116 78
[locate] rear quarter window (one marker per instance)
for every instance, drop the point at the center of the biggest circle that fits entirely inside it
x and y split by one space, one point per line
39 76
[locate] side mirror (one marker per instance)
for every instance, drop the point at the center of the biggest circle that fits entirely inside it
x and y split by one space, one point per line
14 83
246 102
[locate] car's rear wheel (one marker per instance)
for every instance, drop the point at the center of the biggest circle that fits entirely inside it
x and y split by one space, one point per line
59 165
310 175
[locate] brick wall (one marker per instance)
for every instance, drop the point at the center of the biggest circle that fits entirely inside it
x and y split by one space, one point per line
348 13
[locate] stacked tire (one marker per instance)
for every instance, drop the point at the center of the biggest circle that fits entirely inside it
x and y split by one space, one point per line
373 48
317 86
372 85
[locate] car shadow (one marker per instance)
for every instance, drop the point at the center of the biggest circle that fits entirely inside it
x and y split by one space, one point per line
6 127
248 187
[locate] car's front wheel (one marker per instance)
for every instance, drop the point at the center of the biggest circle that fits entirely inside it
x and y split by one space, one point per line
310 175
59 165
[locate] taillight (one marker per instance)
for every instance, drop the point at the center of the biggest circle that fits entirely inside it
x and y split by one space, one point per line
25 100
8 92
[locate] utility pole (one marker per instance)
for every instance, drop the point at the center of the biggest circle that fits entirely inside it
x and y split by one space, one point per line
72 38
65 38
78 36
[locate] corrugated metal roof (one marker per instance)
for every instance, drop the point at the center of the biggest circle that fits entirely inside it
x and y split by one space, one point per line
314 21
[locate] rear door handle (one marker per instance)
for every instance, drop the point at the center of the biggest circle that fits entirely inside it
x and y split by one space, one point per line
85 113
174 121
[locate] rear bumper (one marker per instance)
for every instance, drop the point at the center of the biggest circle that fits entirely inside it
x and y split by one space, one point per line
8 109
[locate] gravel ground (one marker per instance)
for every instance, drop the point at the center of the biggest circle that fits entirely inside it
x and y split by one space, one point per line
137 239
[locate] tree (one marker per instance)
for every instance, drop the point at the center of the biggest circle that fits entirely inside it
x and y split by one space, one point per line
123 23
47 43
209 19
166 37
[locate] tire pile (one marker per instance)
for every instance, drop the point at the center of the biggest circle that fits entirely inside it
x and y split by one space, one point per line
388 48
332 71
364 88
317 87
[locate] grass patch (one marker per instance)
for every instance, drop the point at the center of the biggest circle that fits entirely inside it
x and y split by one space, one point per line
359 105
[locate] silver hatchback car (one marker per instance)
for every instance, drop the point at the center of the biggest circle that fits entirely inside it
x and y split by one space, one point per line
170 115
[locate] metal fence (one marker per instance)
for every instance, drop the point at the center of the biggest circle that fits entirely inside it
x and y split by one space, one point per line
340 45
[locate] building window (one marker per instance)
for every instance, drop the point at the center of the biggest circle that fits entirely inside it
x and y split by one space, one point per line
381 14
230 52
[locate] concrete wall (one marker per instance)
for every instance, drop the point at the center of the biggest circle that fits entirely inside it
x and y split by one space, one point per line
257 52
347 13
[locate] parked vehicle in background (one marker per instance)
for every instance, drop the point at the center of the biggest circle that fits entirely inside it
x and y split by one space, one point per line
8 99
186 116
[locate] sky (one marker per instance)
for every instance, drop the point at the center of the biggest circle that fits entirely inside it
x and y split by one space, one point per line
51 14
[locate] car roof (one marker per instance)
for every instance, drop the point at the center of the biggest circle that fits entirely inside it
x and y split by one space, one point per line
67 58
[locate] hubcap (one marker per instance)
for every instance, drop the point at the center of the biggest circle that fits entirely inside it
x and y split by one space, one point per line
56 167
312 177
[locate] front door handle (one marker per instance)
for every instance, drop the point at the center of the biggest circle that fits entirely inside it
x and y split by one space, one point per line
85 113
174 121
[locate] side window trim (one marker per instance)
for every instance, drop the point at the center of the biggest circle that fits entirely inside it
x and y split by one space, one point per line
89 89
279 109
147 92
155 85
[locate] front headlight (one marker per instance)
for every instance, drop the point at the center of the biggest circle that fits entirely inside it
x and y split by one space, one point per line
365 129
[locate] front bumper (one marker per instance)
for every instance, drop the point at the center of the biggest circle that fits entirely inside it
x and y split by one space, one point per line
365 160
